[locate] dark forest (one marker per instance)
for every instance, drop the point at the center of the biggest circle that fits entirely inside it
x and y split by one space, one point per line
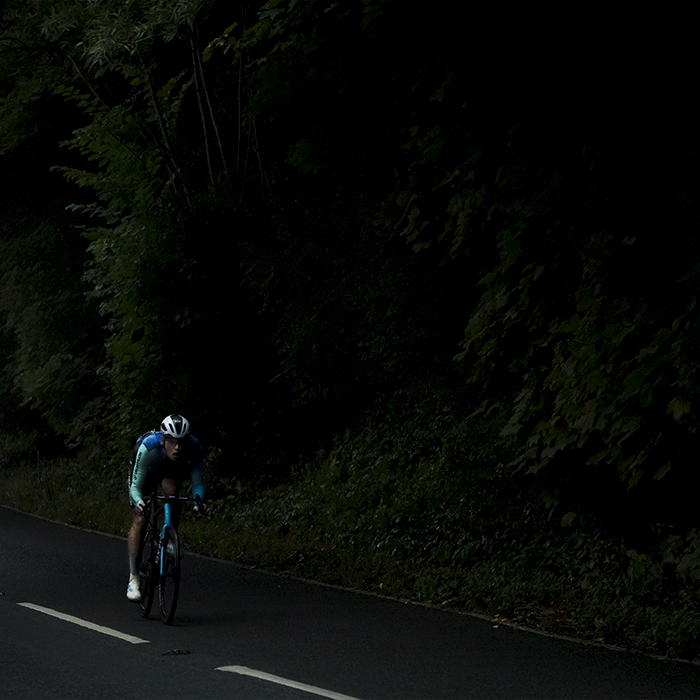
432 312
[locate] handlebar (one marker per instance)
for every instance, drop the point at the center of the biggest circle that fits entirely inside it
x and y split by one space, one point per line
149 505
197 498
200 507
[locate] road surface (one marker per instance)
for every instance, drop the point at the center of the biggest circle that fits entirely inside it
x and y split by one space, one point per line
67 631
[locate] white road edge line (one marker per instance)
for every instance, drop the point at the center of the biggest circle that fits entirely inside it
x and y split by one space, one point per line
85 623
244 671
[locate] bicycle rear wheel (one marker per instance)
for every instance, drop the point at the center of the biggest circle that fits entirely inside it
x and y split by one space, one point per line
169 580
148 573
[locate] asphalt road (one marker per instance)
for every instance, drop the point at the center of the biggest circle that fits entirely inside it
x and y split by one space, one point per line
249 634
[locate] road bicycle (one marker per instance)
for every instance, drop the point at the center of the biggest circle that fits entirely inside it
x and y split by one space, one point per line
160 562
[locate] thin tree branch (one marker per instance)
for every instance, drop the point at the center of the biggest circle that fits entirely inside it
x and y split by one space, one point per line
86 81
164 134
211 111
240 116
263 178
195 69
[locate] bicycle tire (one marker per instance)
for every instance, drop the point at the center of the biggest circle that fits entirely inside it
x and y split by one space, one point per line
169 579
148 573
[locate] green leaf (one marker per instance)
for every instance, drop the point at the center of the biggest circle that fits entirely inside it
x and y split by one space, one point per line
661 473
568 519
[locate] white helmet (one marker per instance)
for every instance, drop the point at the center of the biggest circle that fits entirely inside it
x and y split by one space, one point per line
175 426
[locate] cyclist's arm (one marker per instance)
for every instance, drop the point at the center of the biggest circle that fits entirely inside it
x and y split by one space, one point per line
138 477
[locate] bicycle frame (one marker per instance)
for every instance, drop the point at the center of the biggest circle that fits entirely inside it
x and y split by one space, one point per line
167 522
161 568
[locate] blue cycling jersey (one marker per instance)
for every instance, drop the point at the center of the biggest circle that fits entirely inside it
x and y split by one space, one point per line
152 465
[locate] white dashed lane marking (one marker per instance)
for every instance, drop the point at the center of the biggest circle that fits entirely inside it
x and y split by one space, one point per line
84 623
244 671
240 670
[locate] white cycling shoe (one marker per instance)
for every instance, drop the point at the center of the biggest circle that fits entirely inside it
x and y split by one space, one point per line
133 590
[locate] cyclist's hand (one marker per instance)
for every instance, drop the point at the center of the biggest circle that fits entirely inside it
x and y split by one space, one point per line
200 509
141 508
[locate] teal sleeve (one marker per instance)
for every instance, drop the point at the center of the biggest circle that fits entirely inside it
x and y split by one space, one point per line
197 483
138 477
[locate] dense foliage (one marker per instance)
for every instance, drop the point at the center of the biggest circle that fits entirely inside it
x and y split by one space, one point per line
292 219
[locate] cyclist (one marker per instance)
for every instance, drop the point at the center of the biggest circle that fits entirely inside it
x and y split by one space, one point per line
166 457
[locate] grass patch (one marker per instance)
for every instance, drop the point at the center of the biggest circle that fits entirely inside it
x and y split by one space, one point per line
68 491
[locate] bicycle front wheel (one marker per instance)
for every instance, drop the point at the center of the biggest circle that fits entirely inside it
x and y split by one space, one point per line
169 580
148 573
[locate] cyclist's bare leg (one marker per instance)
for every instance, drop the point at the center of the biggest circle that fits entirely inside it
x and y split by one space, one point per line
135 541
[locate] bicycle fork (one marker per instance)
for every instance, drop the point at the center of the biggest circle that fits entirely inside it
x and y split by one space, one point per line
161 554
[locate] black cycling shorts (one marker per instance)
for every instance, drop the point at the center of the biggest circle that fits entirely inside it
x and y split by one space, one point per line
173 470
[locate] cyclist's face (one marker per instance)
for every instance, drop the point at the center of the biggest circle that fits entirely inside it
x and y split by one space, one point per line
173 448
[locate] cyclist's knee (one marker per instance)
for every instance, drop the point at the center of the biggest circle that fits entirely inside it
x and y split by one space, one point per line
140 519
137 532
